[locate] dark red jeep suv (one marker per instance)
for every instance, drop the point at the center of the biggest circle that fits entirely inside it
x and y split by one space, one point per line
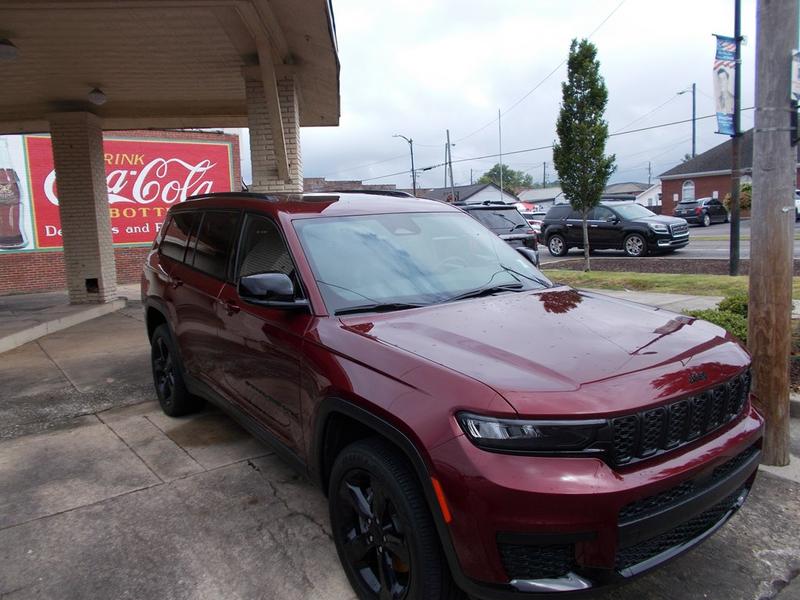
475 427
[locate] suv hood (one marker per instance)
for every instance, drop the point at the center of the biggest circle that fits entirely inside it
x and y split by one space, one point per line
667 220
533 347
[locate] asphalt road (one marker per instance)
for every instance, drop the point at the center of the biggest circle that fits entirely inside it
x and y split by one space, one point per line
697 248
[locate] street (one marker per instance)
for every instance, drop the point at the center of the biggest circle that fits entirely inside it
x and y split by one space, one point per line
704 242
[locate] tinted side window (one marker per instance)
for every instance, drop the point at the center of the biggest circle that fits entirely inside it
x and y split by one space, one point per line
214 242
173 243
558 212
600 213
262 249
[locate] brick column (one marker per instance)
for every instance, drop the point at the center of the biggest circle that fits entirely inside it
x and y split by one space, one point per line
77 139
262 152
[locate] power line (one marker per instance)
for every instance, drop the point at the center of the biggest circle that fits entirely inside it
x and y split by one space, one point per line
538 85
657 108
547 147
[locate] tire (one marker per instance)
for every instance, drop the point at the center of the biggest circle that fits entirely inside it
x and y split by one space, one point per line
557 245
173 396
705 221
399 550
635 245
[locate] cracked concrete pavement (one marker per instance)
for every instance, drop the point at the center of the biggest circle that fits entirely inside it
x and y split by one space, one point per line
101 495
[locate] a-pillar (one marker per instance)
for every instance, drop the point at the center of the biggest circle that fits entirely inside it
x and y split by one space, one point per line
264 135
77 139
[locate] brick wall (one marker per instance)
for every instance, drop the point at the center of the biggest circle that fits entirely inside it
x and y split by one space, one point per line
24 272
262 145
704 187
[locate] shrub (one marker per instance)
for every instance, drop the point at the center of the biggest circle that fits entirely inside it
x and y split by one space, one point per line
735 303
745 197
732 322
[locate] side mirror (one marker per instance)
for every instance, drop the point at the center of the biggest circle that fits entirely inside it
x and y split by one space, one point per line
612 220
531 255
274 290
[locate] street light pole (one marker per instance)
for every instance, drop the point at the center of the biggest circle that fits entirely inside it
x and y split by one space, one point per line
413 170
694 117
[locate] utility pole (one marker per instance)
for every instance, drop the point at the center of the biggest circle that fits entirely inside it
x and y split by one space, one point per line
470 176
736 141
772 225
500 140
450 165
544 174
413 170
694 120
649 172
446 162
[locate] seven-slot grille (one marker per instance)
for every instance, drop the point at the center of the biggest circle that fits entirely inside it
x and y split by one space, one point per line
658 430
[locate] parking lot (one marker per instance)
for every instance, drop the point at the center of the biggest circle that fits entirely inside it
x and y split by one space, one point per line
101 495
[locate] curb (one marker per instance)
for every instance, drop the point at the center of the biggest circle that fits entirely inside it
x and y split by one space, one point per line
14 340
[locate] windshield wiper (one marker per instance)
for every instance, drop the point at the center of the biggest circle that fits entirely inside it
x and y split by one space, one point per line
486 291
518 225
541 282
377 307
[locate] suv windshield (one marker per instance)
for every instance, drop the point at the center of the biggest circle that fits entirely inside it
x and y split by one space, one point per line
500 219
633 211
408 258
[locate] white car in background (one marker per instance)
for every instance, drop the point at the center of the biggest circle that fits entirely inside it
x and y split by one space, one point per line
797 205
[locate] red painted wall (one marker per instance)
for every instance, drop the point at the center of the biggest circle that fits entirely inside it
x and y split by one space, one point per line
42 271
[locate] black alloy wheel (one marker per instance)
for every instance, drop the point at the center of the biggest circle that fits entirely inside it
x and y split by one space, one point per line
382 528
706 220
173 395
374 537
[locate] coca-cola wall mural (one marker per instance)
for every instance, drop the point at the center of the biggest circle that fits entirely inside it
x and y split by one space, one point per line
145 177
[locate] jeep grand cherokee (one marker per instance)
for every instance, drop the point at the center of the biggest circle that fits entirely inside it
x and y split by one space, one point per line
427 377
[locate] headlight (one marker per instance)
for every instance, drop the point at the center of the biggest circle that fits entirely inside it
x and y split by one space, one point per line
514 435
659 228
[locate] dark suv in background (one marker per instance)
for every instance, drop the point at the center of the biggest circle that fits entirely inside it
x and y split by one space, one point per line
703 211
507 222
623 226
391 350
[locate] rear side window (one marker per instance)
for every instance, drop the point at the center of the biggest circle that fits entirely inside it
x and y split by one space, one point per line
559 212
173 244
215 237
500 219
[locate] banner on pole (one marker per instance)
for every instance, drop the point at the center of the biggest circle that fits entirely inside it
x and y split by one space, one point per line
724 73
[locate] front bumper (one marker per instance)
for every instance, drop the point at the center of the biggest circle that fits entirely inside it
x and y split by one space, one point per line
552 525
672 242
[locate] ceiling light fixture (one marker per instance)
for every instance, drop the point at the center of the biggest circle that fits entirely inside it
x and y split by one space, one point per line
8 51
97 97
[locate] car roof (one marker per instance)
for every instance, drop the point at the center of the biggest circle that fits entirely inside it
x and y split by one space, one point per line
486 206
314 204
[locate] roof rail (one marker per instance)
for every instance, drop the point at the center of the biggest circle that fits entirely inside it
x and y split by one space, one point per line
262 196
395 193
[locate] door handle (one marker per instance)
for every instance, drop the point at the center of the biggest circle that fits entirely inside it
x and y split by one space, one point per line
593 225
231 307
176 282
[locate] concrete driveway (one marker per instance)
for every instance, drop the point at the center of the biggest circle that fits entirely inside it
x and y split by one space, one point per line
102 496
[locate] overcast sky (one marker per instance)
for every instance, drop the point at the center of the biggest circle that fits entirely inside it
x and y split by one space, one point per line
418 68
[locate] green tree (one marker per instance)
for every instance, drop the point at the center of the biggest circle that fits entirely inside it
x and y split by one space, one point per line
513 181
579 155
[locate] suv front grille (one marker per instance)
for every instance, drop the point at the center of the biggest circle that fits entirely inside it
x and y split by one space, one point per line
650 505
658 430
682 534
679 230
537 562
